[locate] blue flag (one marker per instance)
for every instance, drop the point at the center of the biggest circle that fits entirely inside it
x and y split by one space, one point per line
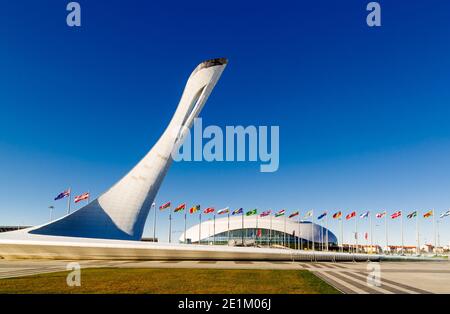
321 216
238 211
62 195
365 215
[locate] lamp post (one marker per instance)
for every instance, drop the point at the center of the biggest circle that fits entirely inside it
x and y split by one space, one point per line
154 222
51 207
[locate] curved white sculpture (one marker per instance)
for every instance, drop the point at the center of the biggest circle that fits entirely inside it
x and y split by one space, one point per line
121 212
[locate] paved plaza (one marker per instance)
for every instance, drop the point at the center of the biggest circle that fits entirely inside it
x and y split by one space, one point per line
396 277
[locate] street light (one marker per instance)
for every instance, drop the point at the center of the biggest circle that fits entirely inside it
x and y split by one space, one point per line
51 207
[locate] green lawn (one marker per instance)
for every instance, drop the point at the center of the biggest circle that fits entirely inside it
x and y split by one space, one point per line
173 280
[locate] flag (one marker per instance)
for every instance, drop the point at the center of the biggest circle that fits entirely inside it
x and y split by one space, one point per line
194 209
366 236
81 197
225 210
428 214
411 215
259 233
251 212
266 213
396 214
208 210
280 213
164 206
309 214
180 208
350 216
337 215
381 215
64 194
321 216
447 213
238 211
364 215
294 214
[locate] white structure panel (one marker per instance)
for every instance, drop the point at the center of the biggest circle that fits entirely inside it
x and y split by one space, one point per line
307 230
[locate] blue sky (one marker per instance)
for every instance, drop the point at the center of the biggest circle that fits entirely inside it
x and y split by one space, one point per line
363 112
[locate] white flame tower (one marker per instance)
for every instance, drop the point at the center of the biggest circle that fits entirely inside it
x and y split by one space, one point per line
121 212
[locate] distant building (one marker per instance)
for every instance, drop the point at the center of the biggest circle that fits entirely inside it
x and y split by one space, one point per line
399 249
371 249
362 248
149 239
427 248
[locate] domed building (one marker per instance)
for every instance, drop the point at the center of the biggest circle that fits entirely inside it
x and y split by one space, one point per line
259 231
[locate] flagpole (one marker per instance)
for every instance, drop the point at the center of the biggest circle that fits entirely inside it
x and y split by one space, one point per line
294 232
417 233
214 230
228 228
321 238
298 236
284 235
185 226
401 227
209 231
371 233
242 227
326 224
356 234
438 233
256 230
386 231
170 224
69 200
154 222
434 231
312 231
342 234
270 231
277 235
322 235
200 227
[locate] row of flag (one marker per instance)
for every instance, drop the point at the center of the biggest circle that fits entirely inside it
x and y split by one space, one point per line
196 208
77 199
282 212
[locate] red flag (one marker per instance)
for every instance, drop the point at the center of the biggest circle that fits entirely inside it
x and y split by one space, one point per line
366 236
396 214
259 233
164 206
81 197
208 210
180 207
350 216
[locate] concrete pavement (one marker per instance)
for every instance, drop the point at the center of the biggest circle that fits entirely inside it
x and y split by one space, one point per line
348 277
